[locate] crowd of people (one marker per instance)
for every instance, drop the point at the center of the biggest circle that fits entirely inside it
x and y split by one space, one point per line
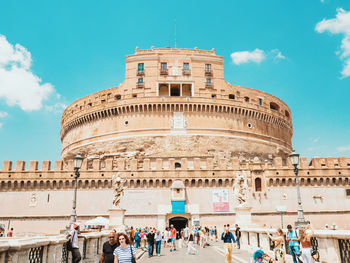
299 246
121 247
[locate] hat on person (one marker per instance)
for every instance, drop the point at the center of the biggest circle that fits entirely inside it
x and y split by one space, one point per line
76 225
258 255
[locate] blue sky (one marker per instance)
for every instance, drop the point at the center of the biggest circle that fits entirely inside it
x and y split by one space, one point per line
296 50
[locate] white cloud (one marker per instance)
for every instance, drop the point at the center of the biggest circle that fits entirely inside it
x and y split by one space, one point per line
242 57
56 108
3 114
344 148
256 56
277 54
18 84
315 140
339 25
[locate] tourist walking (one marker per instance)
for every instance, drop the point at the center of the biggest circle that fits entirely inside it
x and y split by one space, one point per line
279 241
137 238
166 237
73 239
228 239
143 239
216 234
189 242
158 239
125 252
293 244
150 241
108 249
238 236
305 240
173 237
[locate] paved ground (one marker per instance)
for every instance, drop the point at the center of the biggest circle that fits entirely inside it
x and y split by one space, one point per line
211 254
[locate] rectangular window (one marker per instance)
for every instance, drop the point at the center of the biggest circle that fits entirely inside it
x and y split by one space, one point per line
208 81
260 101
207 67
186 66
163 66
140 67
348 192
140 80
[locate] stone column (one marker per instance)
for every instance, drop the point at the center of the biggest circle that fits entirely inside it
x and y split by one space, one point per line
116 218
243 216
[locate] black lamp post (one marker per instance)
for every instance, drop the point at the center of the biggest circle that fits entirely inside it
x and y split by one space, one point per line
301 222
78 160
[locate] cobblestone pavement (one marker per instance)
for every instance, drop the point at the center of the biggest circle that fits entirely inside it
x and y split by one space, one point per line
211 254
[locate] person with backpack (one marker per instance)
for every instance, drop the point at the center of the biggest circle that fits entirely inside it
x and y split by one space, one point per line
293 244
73 243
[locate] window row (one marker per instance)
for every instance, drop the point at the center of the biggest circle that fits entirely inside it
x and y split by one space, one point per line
164 68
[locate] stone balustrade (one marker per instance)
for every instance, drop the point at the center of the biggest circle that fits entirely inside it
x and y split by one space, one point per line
50 249
333 245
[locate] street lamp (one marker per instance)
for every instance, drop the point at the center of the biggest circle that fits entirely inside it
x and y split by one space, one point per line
77 161
301 222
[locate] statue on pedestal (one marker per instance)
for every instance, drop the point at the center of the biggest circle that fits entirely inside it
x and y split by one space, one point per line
118 188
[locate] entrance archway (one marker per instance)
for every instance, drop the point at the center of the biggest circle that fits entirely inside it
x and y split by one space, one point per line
179 223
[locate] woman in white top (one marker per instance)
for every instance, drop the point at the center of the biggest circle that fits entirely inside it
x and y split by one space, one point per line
166 237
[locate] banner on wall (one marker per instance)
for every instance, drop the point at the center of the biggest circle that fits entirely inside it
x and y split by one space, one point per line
220 200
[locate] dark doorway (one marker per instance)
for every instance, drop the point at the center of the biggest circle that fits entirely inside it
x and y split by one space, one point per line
179 223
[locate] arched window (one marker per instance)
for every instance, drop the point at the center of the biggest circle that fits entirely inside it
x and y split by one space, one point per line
257 184
231 96
177 165
287 114
274 106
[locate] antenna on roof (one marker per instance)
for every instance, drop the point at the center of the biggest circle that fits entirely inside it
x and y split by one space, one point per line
175 32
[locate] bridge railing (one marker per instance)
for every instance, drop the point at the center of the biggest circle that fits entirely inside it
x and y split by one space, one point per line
333 245
50 249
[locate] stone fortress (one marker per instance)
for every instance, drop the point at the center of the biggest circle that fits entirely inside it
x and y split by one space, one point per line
191 147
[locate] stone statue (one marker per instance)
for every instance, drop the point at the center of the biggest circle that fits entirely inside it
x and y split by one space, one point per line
118 188
241 188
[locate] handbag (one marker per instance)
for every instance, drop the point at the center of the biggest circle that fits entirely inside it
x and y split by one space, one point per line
133 260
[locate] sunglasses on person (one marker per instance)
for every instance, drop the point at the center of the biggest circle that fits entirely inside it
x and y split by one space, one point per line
122 238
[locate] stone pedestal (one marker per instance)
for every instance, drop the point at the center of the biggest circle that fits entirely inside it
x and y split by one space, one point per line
243 216
116 218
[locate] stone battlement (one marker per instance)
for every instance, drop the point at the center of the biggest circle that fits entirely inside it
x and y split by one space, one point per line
172 164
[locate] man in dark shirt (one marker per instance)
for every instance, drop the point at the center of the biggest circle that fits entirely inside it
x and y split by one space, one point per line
238 236
228 239
150 240
108 249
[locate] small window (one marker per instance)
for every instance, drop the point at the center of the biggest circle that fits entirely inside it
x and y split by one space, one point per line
246 99
140 67
118 97
257 184
163 66
260 101
134 95
231 96
207 67
287 114
140 80
90 104
213 95
186 66
347 191
274 106
177 165
103 101
208 81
